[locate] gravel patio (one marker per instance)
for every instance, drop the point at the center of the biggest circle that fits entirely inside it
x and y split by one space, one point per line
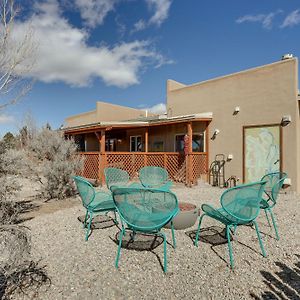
85 270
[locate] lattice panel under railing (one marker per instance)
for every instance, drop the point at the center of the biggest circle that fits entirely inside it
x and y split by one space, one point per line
176 164
90 165
198 165
131 162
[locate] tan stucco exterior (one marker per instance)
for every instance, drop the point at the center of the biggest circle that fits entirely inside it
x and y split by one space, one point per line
105 112
264 95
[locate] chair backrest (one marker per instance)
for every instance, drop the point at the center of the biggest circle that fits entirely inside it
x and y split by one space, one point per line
144 209
85 189
274 184
153 176
243 201
116 177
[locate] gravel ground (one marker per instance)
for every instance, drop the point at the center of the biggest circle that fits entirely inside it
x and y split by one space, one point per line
85 270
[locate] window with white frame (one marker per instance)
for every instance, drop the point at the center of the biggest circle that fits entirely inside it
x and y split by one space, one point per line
136 143
198 142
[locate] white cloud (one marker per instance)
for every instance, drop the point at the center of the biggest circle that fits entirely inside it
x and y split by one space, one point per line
93 12
292 19
138 26
63 53
5 119
265 19
161 8
159 108
161 12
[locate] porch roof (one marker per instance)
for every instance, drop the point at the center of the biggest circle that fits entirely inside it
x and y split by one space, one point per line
145 122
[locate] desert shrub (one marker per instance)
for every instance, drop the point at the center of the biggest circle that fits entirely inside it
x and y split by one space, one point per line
18 273
55 161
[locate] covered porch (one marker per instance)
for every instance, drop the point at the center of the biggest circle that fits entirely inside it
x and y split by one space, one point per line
178 144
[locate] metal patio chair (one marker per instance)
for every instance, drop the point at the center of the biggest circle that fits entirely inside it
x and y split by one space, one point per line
94 202
240 206
145 211
118 178
155 177
274 184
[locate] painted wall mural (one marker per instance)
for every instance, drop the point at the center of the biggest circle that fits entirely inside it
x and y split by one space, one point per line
262 151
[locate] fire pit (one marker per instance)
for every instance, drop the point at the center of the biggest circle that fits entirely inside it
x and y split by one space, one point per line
186 217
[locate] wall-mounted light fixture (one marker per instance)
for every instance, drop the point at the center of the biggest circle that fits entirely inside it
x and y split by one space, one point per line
230 157
216 132
286 120
287 183
236 110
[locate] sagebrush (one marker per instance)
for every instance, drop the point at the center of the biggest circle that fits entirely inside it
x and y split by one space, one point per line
55 160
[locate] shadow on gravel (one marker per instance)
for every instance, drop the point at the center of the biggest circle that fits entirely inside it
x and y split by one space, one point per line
99 222
214 235
284 284
140 242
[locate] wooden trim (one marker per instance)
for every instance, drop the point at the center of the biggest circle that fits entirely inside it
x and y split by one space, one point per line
146 140
110 127
244 146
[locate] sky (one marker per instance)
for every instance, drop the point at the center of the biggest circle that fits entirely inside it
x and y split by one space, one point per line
123 51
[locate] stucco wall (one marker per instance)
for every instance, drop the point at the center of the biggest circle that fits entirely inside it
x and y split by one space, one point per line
263 94
82 119
105 112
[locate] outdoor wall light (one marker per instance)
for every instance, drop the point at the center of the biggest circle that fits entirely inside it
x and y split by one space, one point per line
286 120
236 110
287 183
229 157
216 132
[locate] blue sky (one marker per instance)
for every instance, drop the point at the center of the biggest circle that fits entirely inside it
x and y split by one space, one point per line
123 51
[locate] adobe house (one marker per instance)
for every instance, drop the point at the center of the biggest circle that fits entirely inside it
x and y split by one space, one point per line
251 117
128 138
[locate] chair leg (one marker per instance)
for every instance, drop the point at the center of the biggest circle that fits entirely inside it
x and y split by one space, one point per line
115 220
274 223
119 248
89 227
259 239
85 218
165 251
173 235
266 213
198 230
229 247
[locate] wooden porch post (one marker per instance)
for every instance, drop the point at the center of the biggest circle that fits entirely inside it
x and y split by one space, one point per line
103 157
146 147
190 151
207 149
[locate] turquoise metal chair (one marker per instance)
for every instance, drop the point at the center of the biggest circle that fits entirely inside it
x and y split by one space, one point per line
94 202
274 184
240 206
155 177
118 178
146 211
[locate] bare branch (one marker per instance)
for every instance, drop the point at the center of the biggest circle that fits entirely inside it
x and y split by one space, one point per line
17 54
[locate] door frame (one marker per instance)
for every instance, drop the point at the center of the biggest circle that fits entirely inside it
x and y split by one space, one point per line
280 144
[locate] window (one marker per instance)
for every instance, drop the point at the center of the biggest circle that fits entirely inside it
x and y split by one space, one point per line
110 145
198 142
136 143
80 142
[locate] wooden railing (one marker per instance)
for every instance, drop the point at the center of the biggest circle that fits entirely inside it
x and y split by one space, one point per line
181 168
